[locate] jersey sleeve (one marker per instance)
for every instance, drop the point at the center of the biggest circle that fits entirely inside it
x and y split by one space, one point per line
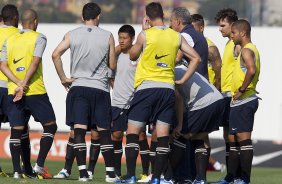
40 46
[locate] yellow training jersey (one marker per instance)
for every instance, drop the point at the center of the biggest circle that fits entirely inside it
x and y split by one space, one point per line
210 69
228 62
239 73
5 32
20 51
158 58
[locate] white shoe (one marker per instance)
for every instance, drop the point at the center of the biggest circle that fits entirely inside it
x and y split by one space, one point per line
17 175
83 179
111 180
62 174
90 174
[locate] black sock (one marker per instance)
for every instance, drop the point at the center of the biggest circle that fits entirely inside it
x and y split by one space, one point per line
144 153
162 152
46 142
233 162
246 157
238 172
153 155
107 150
201 159
118 155
15 148
131 152
69 155
227 149
94 154
80 151
177 152
25 145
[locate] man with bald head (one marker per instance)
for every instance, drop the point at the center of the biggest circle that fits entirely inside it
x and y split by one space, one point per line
21 62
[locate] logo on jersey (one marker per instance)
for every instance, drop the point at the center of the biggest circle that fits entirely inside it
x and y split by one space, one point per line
89 29
163 65
16 61
159 57
20 69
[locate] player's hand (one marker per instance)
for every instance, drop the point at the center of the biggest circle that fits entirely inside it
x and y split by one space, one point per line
18 94
179 82
145 24
176 132
236 96
67 83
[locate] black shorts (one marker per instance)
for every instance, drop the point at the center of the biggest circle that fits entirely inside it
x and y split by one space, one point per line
242 117
151 105
3 105
119 119
203 120
88 106
38 106
226 114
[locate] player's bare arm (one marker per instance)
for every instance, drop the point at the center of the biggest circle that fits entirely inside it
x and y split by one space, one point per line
112 54
215 61
194 58
136 49
9 74
56 56
248 58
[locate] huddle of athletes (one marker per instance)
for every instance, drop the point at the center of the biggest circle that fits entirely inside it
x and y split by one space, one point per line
161 80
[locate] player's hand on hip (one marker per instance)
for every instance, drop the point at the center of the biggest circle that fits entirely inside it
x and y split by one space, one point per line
67 83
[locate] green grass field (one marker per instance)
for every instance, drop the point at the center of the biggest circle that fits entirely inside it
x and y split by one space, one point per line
259 175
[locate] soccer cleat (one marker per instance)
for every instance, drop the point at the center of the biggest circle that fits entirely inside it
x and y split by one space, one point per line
3 174
239 181
111 180
43 172
164 181
144 178
223 181
83 179
17 175
185 181
90 174
199 182
155 181
126 179
62 174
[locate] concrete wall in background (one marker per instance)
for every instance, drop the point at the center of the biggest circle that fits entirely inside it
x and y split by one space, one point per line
268 120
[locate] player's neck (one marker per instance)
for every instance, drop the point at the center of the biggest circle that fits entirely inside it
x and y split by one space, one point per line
245 42
157 22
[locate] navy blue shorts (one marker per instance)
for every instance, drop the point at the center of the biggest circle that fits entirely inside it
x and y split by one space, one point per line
119 119
242 117
203 120
38 106
226 114
152 104
88 106
3 105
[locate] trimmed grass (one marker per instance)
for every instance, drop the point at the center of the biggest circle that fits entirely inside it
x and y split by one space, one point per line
259 175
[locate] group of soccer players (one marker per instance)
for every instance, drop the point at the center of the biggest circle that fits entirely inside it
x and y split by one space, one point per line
171 78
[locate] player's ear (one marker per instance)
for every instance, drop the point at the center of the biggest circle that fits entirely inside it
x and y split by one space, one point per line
82 19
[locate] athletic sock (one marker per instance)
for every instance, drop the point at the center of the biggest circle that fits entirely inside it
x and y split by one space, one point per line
227 149
69 155
246 157
25 145
15 148
94 154
145 158
118 154
107 150
162 152
80 151
233 162
201 159
46 142
177 152
153 148
131 152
